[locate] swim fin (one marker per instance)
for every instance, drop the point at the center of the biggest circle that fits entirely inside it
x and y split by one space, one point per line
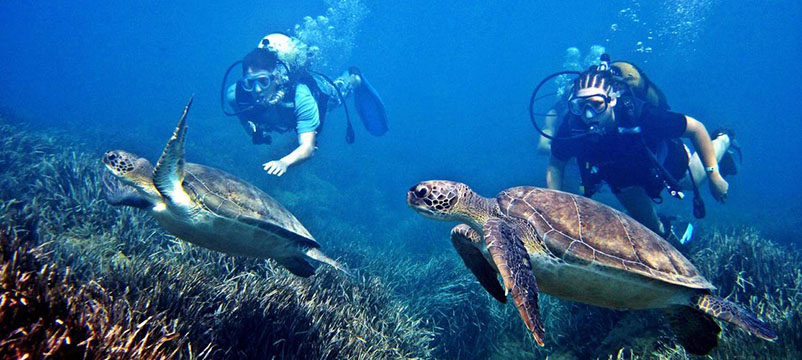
676 230
730 162
687 236
369 105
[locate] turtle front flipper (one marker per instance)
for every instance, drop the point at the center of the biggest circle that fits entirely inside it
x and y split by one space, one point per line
117 193
733 313
512 261
465 239
168 175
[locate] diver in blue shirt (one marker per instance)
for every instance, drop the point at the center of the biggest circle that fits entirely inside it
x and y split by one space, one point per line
278 93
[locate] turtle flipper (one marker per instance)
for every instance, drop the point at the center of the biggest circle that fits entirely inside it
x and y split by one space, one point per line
169 172
117 193
696 331
512 261
735 314
317 255
297 265
464 239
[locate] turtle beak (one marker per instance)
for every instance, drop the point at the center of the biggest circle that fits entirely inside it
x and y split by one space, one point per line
413 200
108 157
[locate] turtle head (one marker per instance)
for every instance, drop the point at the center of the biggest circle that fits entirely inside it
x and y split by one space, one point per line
440 199
130 169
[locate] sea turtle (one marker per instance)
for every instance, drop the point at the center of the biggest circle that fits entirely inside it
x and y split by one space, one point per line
209 207
577 249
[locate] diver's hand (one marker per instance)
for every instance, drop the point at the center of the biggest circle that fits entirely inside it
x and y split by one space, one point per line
275 167
718 187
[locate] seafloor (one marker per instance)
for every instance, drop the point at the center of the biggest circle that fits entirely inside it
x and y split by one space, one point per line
84 280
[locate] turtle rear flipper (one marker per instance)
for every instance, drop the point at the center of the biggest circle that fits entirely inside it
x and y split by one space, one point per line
297 265
465 239
697 332
733 313
317 255
512 261
300 265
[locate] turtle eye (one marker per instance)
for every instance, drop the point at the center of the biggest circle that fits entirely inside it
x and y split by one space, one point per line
421 191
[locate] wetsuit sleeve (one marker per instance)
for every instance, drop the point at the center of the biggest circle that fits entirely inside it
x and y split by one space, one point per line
561 149
307 114
662 123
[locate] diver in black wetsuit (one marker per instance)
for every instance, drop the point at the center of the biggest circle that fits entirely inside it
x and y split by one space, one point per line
633 145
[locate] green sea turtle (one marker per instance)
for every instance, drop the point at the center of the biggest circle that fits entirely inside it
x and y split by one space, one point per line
577 249
209 207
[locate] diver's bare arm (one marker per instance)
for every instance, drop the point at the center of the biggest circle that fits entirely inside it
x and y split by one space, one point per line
305 149
551 123
697 132
554 173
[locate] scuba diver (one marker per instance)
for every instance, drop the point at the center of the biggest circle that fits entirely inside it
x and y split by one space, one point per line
635 79
619 129
278 93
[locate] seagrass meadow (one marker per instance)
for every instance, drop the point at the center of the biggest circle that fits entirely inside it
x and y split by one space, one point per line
82 279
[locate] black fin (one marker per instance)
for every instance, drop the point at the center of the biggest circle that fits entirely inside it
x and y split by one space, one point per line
696 331
728 165
119 194
297 266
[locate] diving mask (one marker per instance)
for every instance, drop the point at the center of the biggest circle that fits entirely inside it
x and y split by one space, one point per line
589 105
256 81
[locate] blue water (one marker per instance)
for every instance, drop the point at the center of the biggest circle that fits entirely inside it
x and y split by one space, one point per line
456 79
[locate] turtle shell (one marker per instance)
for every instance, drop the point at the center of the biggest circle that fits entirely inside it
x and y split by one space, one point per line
585 232
226 195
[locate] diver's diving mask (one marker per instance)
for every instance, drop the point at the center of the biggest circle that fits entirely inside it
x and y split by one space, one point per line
257 82
589 105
